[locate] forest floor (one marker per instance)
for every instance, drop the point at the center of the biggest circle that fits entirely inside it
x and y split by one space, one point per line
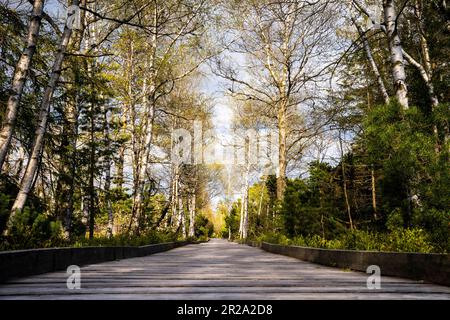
217 269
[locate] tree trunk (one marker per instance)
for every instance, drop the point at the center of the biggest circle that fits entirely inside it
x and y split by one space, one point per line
282 161
181 217
119 175
374 193
192 215
19 79
261 200
91 179
174 200
241 216
244 206
26 184
169 221
92 167
66 180
245 227
148 92
139 150
85 212
67 170
119 181
396 52
347 202
136 145
108 178
284 96
145 161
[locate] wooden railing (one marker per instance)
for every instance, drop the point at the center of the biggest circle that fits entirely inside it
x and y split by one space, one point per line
429 267
21 263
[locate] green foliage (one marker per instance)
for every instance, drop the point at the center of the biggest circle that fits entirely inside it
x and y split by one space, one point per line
299 218
395 220
309 206
149 237
47 234
408 240
437 222
412 188
31 229
401 143
8 192
399 240
274 237
204 228
4 210
404 146
232 221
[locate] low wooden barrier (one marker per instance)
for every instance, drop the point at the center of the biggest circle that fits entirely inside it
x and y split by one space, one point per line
429 267
21 263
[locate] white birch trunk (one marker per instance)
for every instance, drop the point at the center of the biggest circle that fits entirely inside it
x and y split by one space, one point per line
192 215
19 79
396 52
172 200
282 161
243 229
241 216
247 188
181 218
107 166
30 173
284 96
149 114
175 216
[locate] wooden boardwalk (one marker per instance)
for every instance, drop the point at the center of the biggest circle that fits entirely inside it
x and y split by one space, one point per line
216 270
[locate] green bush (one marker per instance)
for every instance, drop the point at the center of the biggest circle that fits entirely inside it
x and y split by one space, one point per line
407 240
395 220
204 228
150 237
4 210
272 237
437 224
398 240
360 240
33 230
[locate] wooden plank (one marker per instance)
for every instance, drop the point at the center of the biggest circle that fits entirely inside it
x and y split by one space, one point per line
234 296
205 282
